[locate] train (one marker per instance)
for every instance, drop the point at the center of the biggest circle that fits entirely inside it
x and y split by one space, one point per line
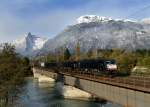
97 65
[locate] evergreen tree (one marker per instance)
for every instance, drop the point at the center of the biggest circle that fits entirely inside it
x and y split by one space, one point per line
67 54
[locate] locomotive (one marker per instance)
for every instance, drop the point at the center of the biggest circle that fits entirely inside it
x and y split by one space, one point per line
99 65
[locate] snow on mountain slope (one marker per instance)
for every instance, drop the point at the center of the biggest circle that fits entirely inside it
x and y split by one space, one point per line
29 43
91 18
95 32
94 18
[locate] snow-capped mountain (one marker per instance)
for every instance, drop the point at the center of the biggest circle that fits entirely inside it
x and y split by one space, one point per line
95 32
92 18
29 44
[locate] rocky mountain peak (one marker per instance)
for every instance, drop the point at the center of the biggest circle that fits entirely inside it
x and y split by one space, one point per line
29 43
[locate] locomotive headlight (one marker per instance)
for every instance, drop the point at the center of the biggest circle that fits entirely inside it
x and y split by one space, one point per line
111 66
42 64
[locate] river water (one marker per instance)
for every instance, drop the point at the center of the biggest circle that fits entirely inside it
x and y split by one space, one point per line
35 94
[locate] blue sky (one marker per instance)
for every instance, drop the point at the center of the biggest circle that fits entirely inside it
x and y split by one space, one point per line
49 17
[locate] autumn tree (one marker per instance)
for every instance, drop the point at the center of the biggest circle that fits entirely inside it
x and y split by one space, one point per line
77 51
89 53
95 53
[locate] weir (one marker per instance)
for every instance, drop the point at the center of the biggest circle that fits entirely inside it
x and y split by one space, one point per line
127 97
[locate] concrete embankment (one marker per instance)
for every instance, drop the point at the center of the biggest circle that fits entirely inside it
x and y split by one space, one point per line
42 78
70 92
75 93
45 79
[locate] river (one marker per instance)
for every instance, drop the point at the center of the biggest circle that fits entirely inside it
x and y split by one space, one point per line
35 94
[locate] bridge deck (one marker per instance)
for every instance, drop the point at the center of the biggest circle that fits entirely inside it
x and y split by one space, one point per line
138 83
131 91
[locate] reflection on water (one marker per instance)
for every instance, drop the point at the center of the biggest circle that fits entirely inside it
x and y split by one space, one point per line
37 94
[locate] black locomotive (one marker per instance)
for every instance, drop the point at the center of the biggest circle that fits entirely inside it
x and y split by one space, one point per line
99 65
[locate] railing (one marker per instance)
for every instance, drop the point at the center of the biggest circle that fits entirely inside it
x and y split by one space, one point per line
135 82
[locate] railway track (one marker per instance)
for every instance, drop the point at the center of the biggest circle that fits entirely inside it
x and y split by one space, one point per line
139 83
135 82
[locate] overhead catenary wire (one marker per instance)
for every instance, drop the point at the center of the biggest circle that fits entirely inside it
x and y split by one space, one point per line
138 11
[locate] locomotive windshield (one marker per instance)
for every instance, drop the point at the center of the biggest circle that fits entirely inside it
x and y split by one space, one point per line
110 62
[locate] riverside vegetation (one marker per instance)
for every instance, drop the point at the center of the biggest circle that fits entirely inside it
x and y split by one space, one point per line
13 69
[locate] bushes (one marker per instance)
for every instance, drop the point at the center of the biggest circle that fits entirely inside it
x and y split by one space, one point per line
144 61
126 62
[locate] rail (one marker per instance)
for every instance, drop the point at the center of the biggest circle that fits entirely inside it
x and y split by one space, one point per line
127 82
139 83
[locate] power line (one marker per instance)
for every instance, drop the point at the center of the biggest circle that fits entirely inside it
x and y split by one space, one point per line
138 11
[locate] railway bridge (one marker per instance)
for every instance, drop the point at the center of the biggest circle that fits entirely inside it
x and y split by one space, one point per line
131 91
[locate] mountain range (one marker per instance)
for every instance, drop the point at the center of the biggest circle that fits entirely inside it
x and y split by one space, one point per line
93 32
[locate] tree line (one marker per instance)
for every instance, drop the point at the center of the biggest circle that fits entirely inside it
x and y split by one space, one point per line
13 69
126 60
